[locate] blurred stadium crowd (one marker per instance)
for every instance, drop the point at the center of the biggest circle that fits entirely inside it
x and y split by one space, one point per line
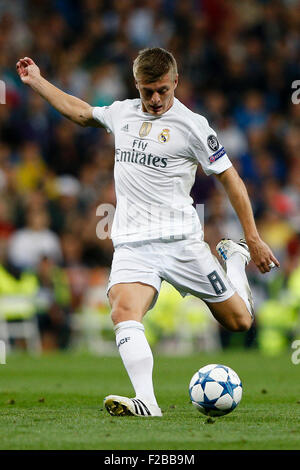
237 63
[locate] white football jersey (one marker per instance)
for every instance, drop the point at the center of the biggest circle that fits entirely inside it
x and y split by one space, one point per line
156 158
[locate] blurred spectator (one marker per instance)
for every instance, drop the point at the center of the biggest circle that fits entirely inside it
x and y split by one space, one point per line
77 271
276 231
107 86
29 244
252 113
7 226
63 155
232 138
53 305
31 168
18 290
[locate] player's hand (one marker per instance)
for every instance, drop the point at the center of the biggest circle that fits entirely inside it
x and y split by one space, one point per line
262 255
27 70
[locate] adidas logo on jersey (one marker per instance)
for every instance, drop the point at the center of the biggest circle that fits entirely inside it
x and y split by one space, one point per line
125 128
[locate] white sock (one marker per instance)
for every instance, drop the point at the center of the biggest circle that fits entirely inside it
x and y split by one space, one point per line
235 268
137 358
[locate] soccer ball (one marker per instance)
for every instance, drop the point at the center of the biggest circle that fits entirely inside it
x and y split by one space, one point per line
215 390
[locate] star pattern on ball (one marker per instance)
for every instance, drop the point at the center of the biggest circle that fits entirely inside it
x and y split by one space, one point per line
228 387
205 377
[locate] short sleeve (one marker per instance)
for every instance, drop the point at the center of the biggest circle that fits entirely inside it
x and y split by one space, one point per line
206 148
107 115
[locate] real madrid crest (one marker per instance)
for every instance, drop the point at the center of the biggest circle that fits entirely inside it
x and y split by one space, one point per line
145 129
164 136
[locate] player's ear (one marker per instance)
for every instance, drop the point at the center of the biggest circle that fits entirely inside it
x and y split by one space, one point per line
136 84
176 82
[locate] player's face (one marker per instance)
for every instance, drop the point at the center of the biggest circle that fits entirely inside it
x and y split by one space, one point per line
157 97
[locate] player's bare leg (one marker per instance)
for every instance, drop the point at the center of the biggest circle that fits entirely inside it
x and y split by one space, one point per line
129 303
232 313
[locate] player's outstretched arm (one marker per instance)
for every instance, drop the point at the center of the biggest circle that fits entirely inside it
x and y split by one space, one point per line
261 254
71 107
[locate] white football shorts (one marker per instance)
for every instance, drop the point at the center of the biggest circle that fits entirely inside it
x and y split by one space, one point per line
188 264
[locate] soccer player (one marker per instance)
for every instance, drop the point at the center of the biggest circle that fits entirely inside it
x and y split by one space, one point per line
156 231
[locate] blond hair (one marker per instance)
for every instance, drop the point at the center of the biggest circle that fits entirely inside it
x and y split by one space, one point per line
153 63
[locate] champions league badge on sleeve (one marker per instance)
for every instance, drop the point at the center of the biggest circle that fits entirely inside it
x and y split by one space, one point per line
212 142
217 155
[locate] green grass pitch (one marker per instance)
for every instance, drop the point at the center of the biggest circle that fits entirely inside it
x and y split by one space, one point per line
55 402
